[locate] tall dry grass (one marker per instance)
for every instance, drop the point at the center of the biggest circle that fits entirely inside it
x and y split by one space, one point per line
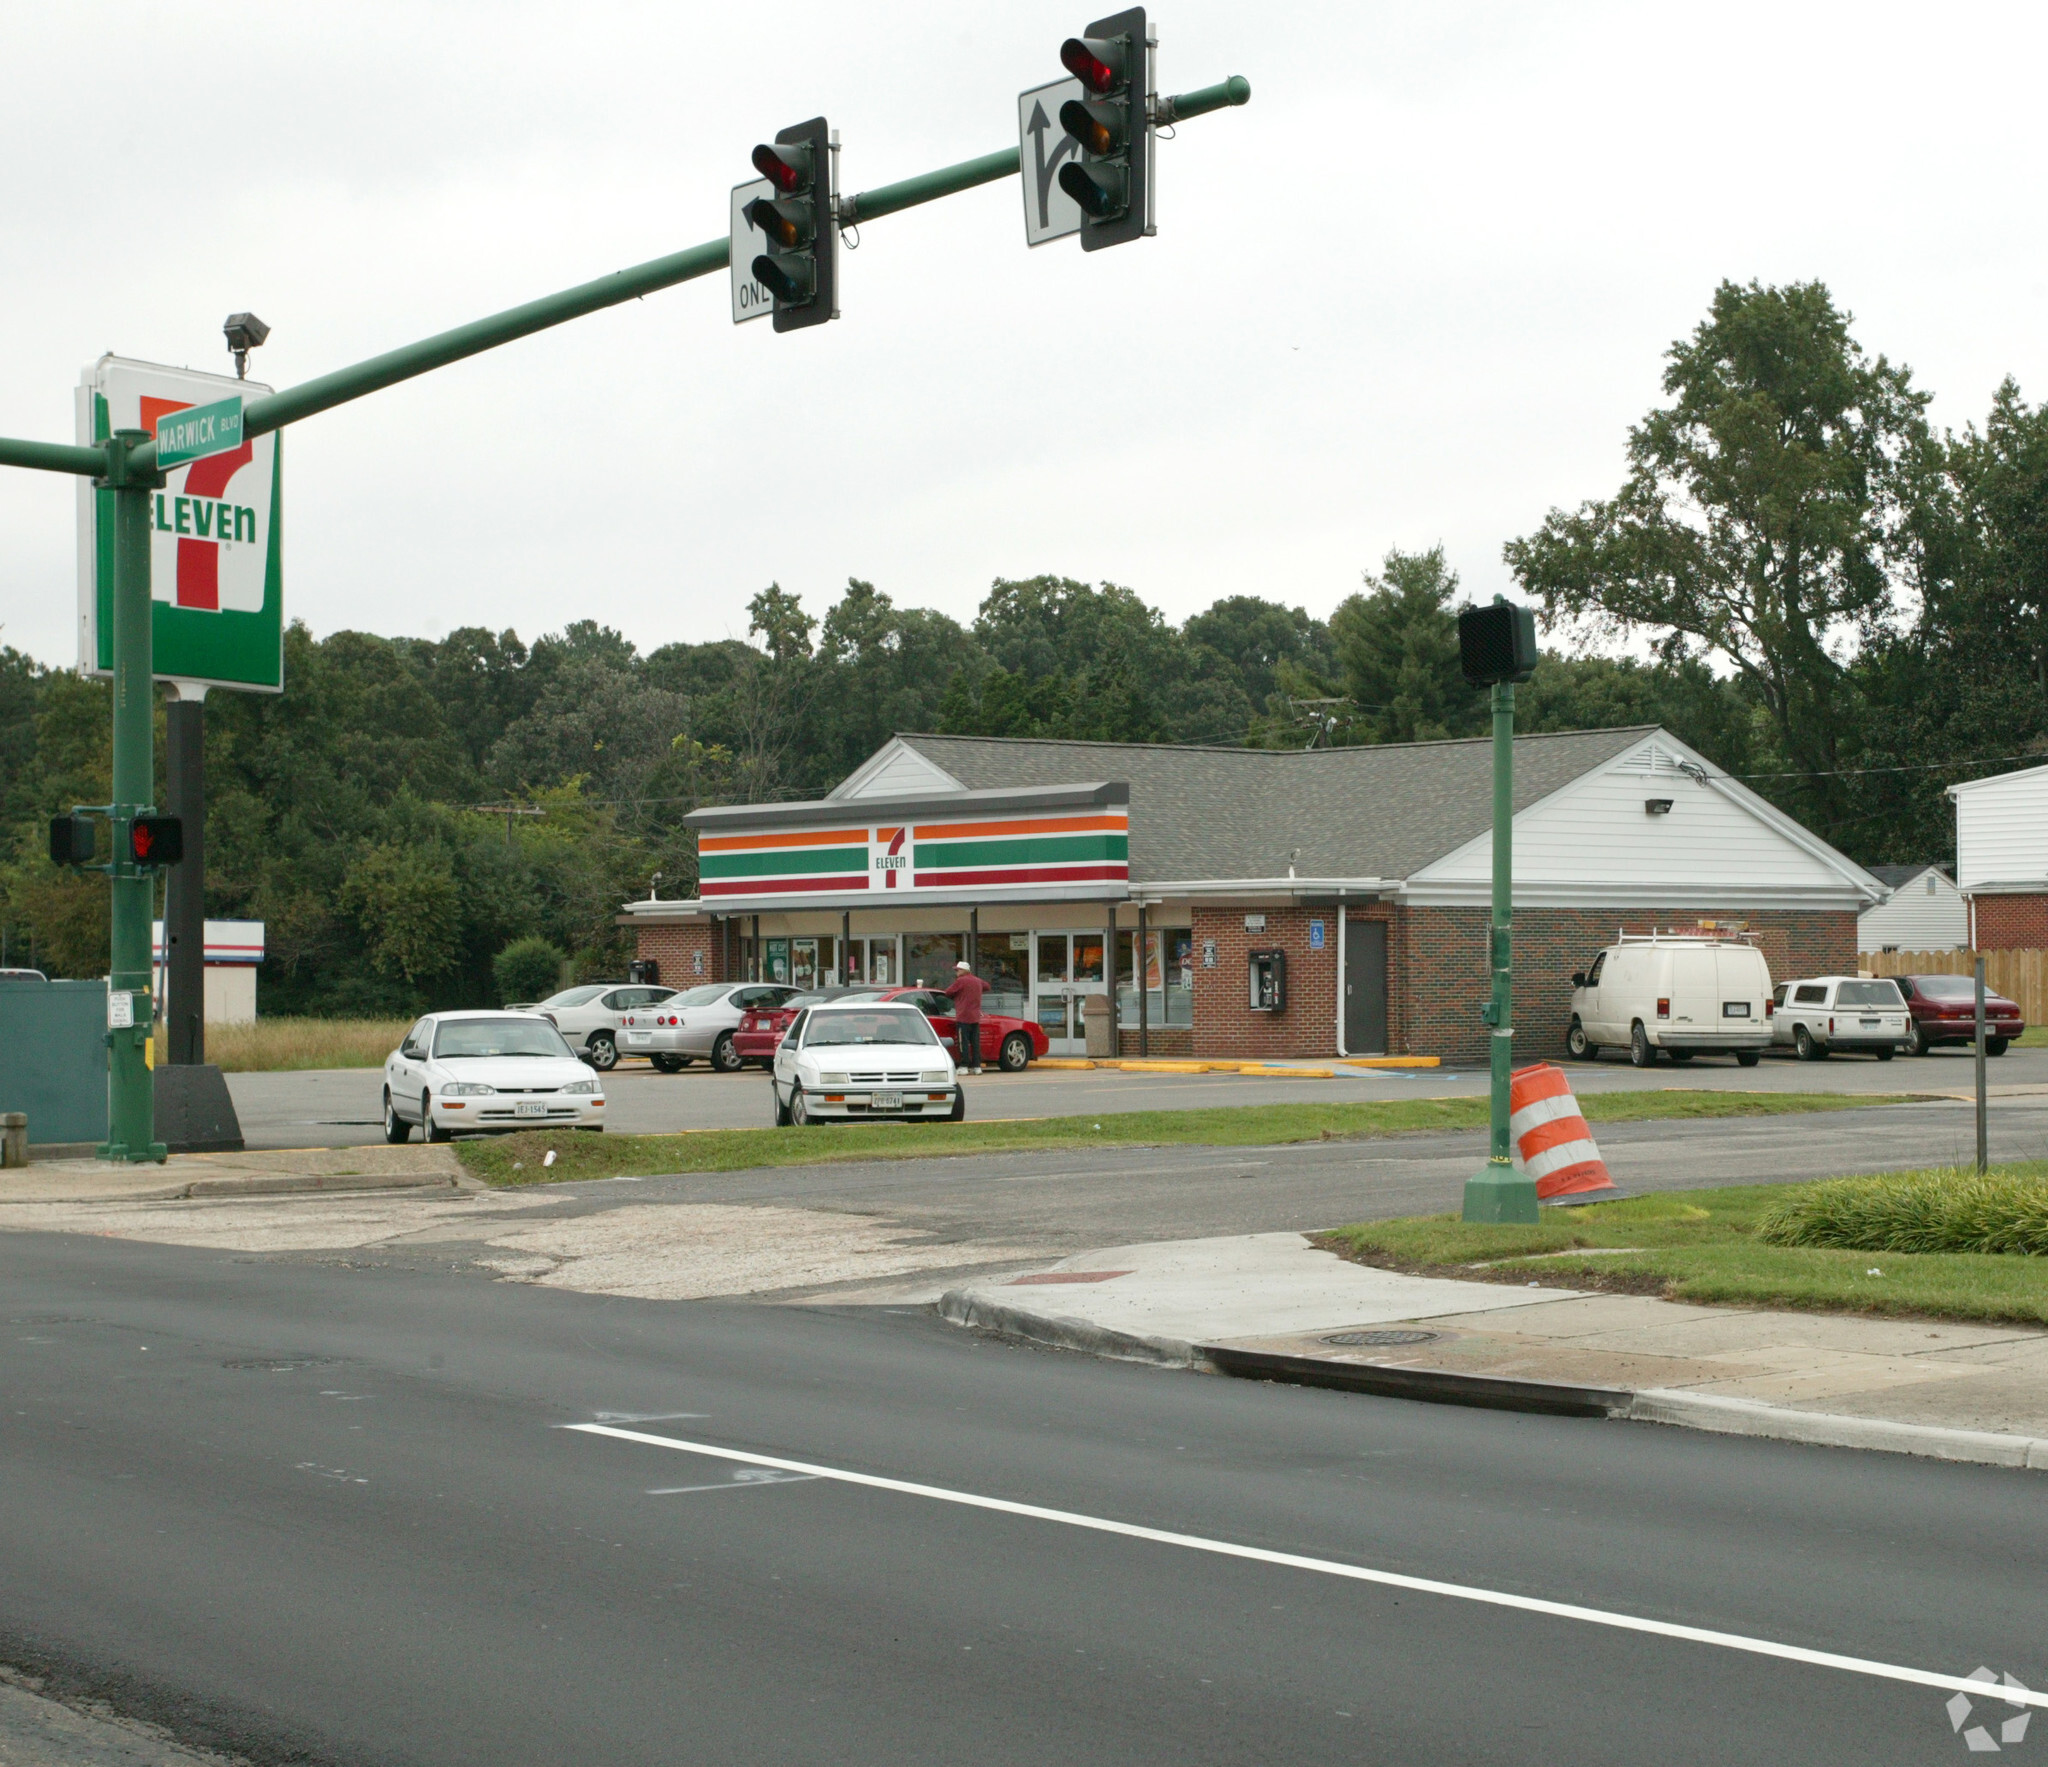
276 1045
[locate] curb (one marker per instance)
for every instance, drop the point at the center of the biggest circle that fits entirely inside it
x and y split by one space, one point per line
1439 1386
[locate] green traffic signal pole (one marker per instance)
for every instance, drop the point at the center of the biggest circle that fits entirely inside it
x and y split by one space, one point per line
126 465
1498 1192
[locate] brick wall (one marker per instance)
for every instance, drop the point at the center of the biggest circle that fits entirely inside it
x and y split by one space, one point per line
1168 1043
2011 923
688 953
1225 1025
1445 981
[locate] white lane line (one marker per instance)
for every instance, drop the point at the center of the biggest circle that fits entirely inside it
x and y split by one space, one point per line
1528 1604
740 1481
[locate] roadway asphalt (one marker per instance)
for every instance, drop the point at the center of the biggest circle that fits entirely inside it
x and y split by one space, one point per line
342 1107
311 1513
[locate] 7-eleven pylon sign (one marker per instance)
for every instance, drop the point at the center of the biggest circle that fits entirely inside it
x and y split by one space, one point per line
215 555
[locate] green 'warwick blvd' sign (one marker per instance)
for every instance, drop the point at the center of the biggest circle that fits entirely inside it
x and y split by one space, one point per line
199 433
216 580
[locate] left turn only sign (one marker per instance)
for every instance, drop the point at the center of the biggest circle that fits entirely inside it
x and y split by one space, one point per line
199 432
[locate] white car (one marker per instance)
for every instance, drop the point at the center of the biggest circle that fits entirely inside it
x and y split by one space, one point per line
1822 1014
590 1016
1684 994
697 1024
856 1060
470 1072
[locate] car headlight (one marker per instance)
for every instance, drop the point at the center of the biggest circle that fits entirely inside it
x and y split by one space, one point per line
581 1086
468 1089
937 1078
835 1079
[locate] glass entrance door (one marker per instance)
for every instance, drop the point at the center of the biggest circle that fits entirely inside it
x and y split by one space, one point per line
1066 969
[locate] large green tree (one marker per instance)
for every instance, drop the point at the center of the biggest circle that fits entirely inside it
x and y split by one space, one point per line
1397 645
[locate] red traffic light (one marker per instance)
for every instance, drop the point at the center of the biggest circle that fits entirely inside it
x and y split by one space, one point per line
786 166
1097 64
156 840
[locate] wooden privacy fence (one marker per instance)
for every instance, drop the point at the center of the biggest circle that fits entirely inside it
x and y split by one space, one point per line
2018 975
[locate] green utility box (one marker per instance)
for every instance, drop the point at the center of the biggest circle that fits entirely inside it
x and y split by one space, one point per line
53 1058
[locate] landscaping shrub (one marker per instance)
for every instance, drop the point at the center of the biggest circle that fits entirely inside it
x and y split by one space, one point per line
526 970
1953 1209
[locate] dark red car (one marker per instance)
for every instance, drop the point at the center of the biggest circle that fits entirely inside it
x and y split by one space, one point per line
1011 1044
1944 1010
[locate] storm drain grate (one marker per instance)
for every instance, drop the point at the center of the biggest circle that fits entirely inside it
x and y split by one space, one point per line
1381 1339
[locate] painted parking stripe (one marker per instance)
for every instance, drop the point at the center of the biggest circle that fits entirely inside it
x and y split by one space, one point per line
1528 1604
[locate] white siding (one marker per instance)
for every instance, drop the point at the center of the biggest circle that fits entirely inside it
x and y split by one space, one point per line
896 770
1594 842
1914 920
2002 829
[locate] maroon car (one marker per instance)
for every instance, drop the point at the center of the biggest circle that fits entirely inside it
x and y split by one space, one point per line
1944 1010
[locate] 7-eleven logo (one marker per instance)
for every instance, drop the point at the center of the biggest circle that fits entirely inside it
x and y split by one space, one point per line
200 516
892 858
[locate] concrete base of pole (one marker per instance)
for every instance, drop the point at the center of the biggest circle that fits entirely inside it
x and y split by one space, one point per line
1500 1193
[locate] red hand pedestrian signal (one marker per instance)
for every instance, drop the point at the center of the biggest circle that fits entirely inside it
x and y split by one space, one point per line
156 840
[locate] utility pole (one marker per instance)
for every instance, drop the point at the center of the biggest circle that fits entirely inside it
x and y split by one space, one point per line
1497 648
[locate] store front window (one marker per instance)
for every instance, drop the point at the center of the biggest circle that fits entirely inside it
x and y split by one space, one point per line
928 958
1003 961
1169 978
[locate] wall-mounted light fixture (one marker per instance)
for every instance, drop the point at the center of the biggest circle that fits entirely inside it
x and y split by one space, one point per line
1656 806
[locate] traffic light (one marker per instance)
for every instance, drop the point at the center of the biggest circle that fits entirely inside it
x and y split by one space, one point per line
1111 177
801 265
1496 643
156 840
71 840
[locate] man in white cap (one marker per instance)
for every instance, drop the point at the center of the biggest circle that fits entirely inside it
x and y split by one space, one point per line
966 993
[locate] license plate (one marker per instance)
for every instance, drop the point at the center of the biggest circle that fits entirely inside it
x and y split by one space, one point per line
1872 1024
885 1101
1735 1009
639 1036
530 1107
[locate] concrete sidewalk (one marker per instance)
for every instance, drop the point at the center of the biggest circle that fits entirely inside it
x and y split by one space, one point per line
310 1169
1271 1306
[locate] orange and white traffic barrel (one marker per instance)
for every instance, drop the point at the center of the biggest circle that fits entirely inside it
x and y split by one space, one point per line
1552 1143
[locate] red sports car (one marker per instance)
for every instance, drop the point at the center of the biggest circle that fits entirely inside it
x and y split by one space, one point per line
1944 1010
1006 1042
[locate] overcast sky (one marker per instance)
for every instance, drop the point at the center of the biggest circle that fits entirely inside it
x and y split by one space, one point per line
1415 292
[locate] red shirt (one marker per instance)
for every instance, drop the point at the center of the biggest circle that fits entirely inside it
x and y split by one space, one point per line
966 993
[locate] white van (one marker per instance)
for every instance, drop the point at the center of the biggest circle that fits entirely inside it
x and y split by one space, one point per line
1688 993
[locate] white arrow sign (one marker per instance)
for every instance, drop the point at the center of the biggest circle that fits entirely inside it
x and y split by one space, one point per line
749 299
1044 146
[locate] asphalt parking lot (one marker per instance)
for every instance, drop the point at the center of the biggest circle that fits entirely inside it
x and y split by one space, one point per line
342 1107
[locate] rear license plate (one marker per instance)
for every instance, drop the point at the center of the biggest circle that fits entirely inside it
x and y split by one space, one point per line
885 1101
1872 1024
530 1107
1735 1009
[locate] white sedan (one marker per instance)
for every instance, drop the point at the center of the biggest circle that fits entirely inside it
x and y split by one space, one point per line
470 1072
854 1060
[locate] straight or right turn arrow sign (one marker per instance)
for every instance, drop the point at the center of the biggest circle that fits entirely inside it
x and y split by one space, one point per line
1042 146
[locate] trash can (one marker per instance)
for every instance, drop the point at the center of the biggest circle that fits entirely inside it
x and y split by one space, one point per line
1095 1019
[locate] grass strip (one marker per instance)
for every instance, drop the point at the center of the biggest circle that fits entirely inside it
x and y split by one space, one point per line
1705 1246
520 1158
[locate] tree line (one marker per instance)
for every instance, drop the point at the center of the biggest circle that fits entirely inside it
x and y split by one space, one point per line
1798 576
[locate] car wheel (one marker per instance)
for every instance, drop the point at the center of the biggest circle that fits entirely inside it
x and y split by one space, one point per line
431 1129
1578 1045
1681 1056
1804 1046
725 1057
1886 1054
1640 1052
781 1109
958 1114
1996 1045
1015 1055
1747 1058
1922 1043
396 1129
602 1052
799 1111
667 1064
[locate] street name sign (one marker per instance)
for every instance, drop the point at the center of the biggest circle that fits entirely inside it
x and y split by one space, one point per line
749 299
1043 145
216 575
199 433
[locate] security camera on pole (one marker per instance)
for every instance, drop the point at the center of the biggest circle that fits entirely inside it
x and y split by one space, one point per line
1497 648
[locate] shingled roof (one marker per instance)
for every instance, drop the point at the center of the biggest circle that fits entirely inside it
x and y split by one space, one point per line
1385 810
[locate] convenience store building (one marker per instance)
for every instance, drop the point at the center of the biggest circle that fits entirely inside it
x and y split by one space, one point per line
1281 903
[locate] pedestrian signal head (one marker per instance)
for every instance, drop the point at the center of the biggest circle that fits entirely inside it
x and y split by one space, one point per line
1496 643
156 840
71 840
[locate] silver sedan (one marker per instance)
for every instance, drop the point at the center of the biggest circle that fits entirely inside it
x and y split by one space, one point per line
697 1024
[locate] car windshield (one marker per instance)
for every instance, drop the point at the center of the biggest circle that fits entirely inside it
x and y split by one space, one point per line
884 1024
499 1036
1881 993
575 996
695 996
1948 987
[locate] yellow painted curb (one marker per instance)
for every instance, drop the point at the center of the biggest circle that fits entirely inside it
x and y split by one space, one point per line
1391 1061
1258 1071
1160 1067
1062 1061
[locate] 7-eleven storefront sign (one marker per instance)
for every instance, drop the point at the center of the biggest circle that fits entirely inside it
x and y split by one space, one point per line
214 566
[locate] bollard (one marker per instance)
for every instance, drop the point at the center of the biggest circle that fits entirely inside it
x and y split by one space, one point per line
13 1138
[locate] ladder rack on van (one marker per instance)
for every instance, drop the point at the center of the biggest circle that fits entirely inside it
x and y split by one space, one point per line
1720 935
